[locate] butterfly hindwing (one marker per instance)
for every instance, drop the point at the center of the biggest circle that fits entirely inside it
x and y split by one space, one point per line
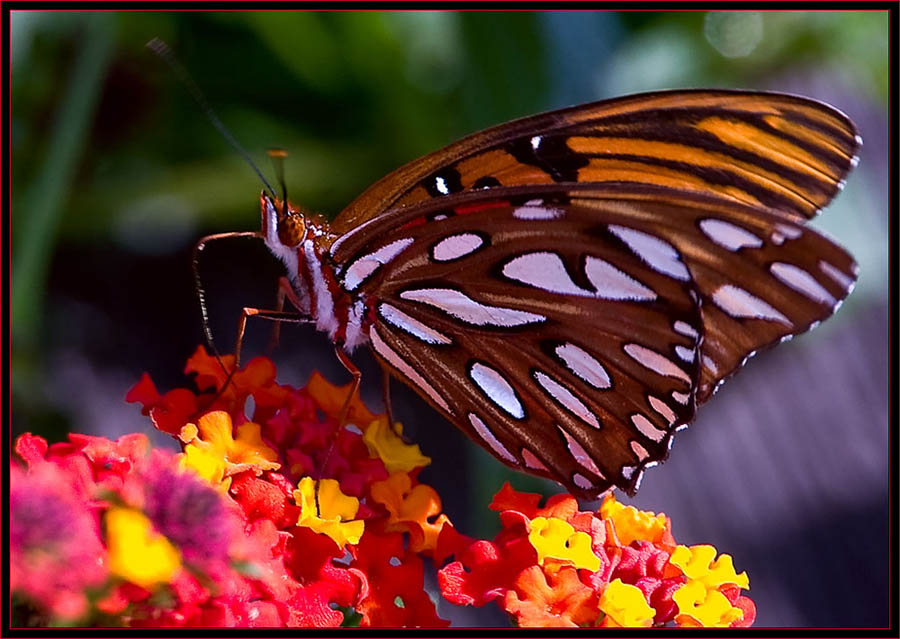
511 309
541 334
760 279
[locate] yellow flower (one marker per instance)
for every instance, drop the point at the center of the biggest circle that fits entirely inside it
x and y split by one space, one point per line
410 509
213 452
632 524
383 442
700 606
625 606
699 600
334 514
697 564
205 463
136 552
557 539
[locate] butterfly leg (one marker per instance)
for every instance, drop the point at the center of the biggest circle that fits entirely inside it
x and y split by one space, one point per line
354 385
274 315
285 291
386 395
345 409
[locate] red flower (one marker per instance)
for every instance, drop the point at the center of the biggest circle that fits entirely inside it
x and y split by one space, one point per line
396 596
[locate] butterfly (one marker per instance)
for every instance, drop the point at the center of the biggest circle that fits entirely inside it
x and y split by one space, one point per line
567 288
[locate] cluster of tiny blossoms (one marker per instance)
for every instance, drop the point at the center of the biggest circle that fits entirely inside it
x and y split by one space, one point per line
289 518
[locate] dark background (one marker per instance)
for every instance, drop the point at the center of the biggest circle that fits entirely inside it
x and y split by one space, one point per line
116 173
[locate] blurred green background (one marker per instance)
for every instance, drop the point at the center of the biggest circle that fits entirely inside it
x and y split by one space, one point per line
116 173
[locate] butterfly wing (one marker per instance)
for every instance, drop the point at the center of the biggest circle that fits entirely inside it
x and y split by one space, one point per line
782 152
566 331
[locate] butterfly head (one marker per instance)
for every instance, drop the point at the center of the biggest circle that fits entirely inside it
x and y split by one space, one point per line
283 225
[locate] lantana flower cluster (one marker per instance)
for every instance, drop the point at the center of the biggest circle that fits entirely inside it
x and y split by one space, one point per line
308 512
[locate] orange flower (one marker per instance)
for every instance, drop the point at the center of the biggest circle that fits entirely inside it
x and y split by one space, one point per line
214 453
410 509
331 398
560 600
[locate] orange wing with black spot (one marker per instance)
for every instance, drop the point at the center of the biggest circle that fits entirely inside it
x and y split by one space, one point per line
784 153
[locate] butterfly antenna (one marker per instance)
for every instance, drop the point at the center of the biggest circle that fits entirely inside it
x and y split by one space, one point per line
161 49
278 156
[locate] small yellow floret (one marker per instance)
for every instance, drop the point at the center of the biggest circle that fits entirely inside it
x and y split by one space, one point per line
137 553
386 444
700 606
557 539
632 524
699 563
335 512
625 606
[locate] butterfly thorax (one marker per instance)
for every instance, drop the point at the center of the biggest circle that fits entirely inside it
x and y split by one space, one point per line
301 241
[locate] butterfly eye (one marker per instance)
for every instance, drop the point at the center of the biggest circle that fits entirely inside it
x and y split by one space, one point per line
291 228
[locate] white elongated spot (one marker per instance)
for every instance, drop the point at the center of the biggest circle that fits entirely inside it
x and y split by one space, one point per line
687 354
681 398
535 142
685 329
580 454
613 284
441 185
582 482
657 363
361 269
532 212
546 271
802 282
583 365
790 232
411 325
498 390
662 408
729 235
639 450
646 428
394 359
543 270
628 472
739 303
456 246
532 461
491 440
658 254
566 399
464 308
836 274
710 363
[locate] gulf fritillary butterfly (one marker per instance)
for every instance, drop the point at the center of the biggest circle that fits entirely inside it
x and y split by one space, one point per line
567 288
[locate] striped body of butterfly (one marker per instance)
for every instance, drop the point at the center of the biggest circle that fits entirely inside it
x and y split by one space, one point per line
568 287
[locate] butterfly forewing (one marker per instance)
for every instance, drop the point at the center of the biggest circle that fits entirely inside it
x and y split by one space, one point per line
785 153
534 328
